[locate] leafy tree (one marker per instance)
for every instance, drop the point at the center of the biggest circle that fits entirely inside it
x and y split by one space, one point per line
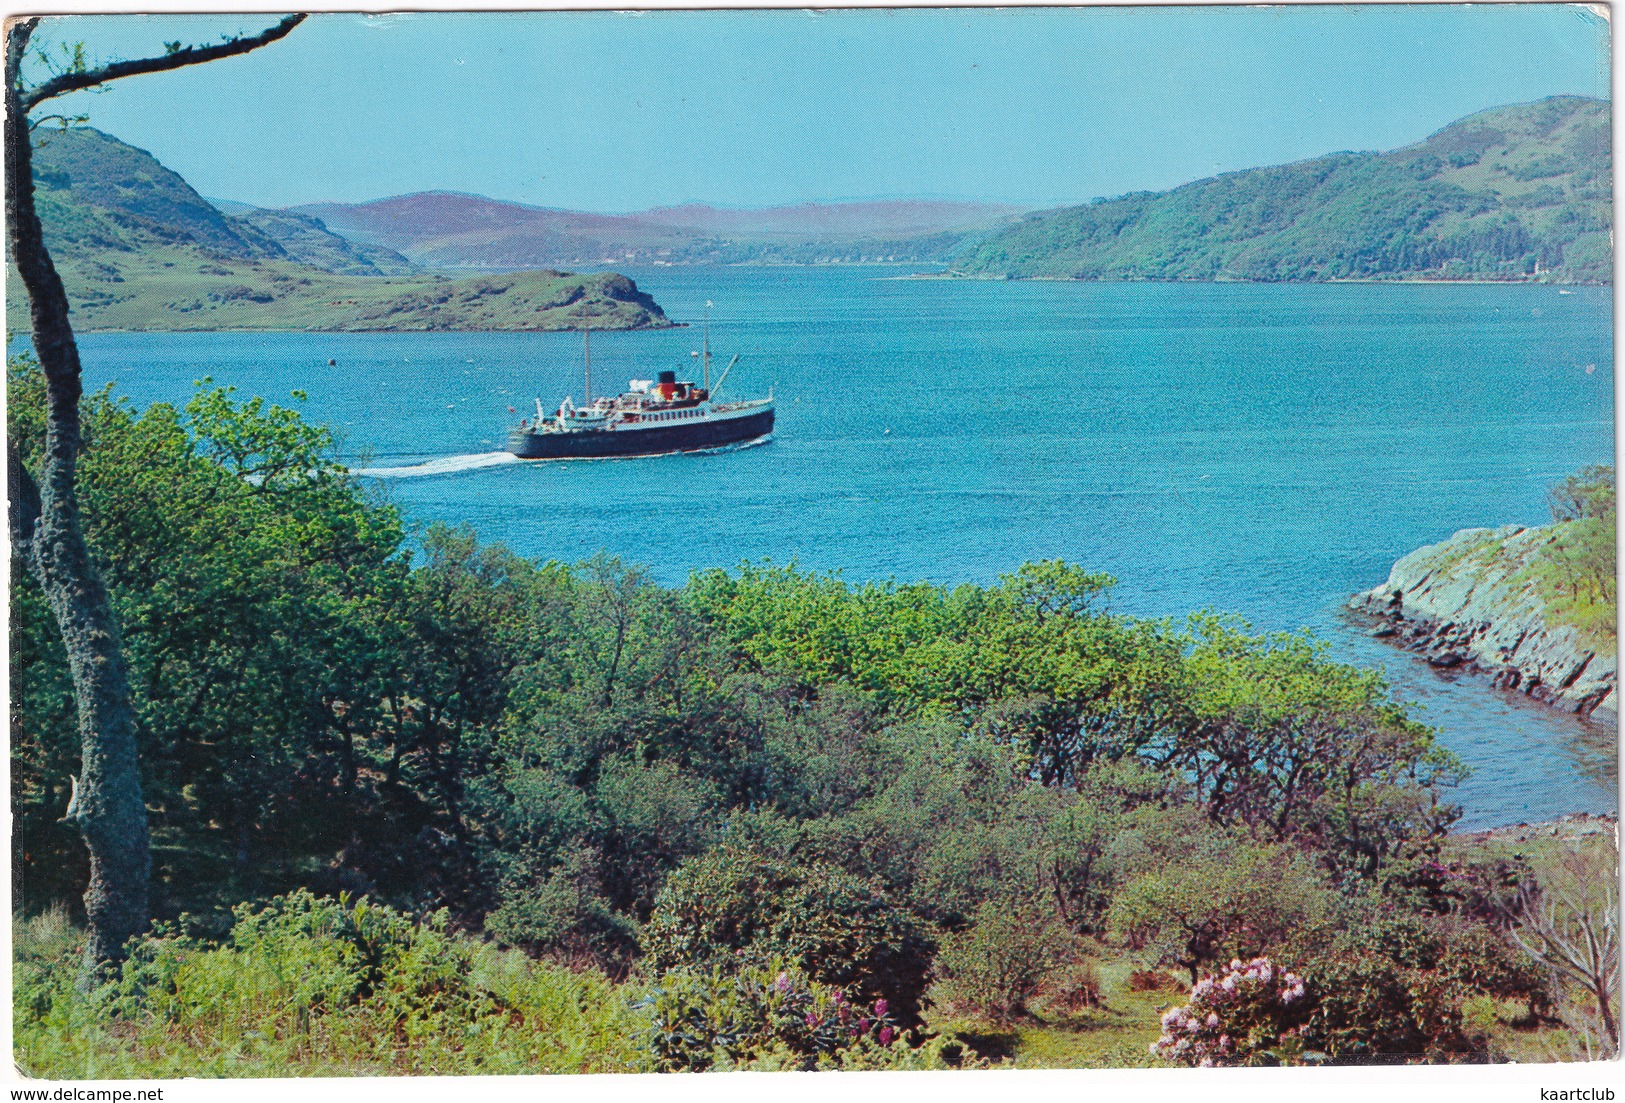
1569 923
1589 492
1288 743
45 517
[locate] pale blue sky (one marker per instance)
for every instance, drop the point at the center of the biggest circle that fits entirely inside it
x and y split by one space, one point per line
617 112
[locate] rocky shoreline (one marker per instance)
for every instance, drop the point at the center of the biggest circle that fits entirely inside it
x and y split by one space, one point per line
1468 604
1574 826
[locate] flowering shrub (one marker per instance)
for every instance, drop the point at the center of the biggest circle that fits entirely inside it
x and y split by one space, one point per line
1249 1015
1354 1008
731 1018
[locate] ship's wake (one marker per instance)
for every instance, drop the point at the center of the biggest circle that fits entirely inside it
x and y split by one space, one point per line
456 465
445 465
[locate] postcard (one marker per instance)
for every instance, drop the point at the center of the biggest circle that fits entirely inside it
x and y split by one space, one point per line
894 540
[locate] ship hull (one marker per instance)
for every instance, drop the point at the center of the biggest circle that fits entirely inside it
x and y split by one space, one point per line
653 441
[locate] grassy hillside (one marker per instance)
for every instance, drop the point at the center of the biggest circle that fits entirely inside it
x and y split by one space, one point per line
138 248
1490 196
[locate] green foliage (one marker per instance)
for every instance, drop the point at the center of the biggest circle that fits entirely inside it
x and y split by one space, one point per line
1576 569
1458 205
735 905
993 968
621 778
1367 1009
1590 492
770 1015
1228 897
1291 744
309 986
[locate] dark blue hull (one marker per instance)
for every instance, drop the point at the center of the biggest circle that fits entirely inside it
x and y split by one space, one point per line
528 444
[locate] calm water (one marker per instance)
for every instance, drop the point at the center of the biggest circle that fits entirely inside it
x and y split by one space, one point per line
1265 450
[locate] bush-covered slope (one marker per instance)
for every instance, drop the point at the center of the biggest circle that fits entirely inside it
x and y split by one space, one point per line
800 823
1493 195
139 248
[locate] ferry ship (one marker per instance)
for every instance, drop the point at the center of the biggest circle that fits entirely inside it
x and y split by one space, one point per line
653 418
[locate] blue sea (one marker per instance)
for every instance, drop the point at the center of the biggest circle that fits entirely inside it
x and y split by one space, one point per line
1265 450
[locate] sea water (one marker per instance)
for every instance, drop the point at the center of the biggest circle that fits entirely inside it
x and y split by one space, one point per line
1263 450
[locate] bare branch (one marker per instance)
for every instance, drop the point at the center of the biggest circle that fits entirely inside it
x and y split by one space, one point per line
180 57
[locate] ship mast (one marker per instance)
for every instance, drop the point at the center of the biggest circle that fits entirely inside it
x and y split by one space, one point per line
706 359
586 353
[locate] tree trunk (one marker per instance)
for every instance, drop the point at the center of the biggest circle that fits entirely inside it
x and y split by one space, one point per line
107 807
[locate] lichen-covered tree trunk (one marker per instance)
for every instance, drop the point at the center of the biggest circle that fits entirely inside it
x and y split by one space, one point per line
47 536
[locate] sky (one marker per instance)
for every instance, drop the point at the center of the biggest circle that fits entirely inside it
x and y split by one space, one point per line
613 111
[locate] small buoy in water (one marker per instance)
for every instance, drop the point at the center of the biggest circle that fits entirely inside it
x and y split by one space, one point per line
332 363
1591 369
883 432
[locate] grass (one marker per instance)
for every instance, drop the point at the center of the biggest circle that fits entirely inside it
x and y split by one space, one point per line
1116 1033
1574 572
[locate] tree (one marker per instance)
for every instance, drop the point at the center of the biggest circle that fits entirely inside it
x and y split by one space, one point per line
44 517
1568 922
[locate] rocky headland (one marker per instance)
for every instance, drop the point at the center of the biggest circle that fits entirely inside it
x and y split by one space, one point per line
1473 603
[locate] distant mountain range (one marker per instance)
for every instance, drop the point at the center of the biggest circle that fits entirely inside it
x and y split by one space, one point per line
1516 192
138 248
1513 193
457 230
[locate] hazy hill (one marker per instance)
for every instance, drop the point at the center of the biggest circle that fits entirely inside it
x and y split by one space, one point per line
457 230
1488 197
139 248
881 219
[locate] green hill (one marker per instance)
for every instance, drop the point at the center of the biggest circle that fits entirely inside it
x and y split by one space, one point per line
139 248
1488 197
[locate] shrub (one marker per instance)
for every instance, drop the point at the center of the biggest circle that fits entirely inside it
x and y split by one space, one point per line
769 1013
311 986
567 917
735 907
1248 1016
1152 980
1228 897
1366 1009
1350 1009
991 969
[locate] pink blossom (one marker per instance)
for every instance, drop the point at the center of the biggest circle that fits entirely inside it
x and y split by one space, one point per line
783 982
1207 1062
812 1021
1212 1019
880 1009
887 1034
